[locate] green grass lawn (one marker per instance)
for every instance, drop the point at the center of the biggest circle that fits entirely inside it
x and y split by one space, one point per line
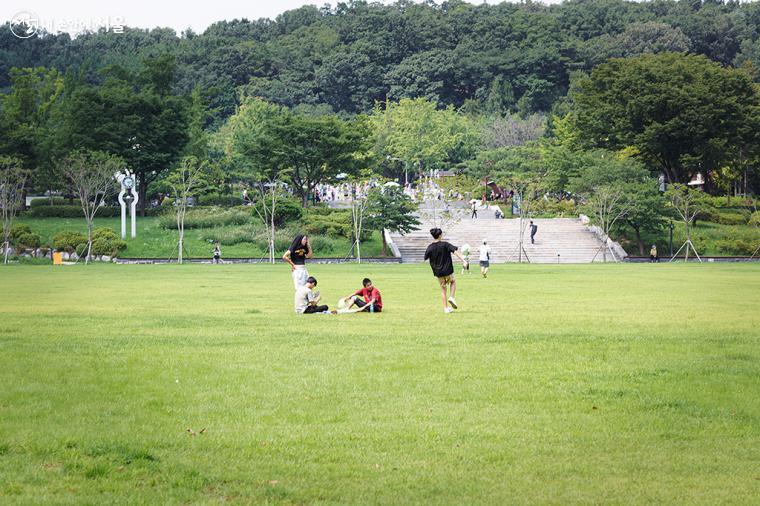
154 241
551 384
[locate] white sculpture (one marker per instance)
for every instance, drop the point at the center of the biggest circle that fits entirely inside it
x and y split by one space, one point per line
129 186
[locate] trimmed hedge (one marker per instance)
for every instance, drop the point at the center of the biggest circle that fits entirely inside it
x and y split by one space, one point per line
45 201
76 212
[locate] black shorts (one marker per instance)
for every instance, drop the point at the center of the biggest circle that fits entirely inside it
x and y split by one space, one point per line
485 263
363 304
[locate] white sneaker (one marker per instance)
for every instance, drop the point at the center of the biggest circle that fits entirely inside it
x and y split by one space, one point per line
448 310
453 303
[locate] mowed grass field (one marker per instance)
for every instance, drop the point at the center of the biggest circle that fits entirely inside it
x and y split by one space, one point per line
552 384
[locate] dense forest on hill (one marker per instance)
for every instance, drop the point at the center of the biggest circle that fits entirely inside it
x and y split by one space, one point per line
510 57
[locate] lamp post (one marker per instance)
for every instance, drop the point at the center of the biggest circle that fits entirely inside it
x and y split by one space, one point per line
670 246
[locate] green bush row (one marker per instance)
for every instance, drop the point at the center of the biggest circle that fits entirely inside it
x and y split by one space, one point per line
45 201
76 212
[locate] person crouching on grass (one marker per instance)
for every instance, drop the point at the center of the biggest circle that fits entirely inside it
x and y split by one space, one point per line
367 297
307 299
439 253
296 256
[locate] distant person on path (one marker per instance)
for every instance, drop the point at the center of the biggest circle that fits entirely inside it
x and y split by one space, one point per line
653 257
439 254
474 208
246 198
296 256
533 230
307 299
485 258
368 297
217 253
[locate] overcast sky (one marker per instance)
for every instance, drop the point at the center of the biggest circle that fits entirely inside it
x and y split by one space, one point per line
61 15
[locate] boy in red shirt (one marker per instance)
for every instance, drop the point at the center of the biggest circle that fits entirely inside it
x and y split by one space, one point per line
372 303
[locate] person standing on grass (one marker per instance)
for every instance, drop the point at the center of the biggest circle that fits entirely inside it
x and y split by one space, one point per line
307 299
474 208
368 298
296 256
439 254
533 230
485 258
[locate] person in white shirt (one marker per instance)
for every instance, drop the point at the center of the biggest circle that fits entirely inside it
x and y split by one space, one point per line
485 258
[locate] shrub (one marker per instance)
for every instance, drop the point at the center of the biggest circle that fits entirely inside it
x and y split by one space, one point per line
217 199
108 247
45 201
231 236
754 220
722 216
323 245
68 241
104 242
17 231
208 217
286 211
737 246
28 241
335 223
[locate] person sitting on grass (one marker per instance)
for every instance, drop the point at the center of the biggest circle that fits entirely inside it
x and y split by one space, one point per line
307 299
367 298
439 254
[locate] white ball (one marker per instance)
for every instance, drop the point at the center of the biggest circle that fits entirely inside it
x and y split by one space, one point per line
342 303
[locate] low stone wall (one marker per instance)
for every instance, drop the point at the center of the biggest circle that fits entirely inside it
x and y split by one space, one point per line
617 250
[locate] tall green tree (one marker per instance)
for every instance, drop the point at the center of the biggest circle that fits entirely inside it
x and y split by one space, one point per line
682 113
133 117
419 134
27 126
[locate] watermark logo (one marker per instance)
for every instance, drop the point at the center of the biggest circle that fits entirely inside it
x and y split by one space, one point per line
25 24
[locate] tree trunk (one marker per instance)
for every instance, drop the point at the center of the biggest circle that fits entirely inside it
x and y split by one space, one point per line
142 190
385 245
638 240
89 242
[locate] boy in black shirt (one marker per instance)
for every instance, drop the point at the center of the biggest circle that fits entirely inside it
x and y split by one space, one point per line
439 253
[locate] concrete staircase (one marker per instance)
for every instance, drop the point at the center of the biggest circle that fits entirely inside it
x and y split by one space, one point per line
558 240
